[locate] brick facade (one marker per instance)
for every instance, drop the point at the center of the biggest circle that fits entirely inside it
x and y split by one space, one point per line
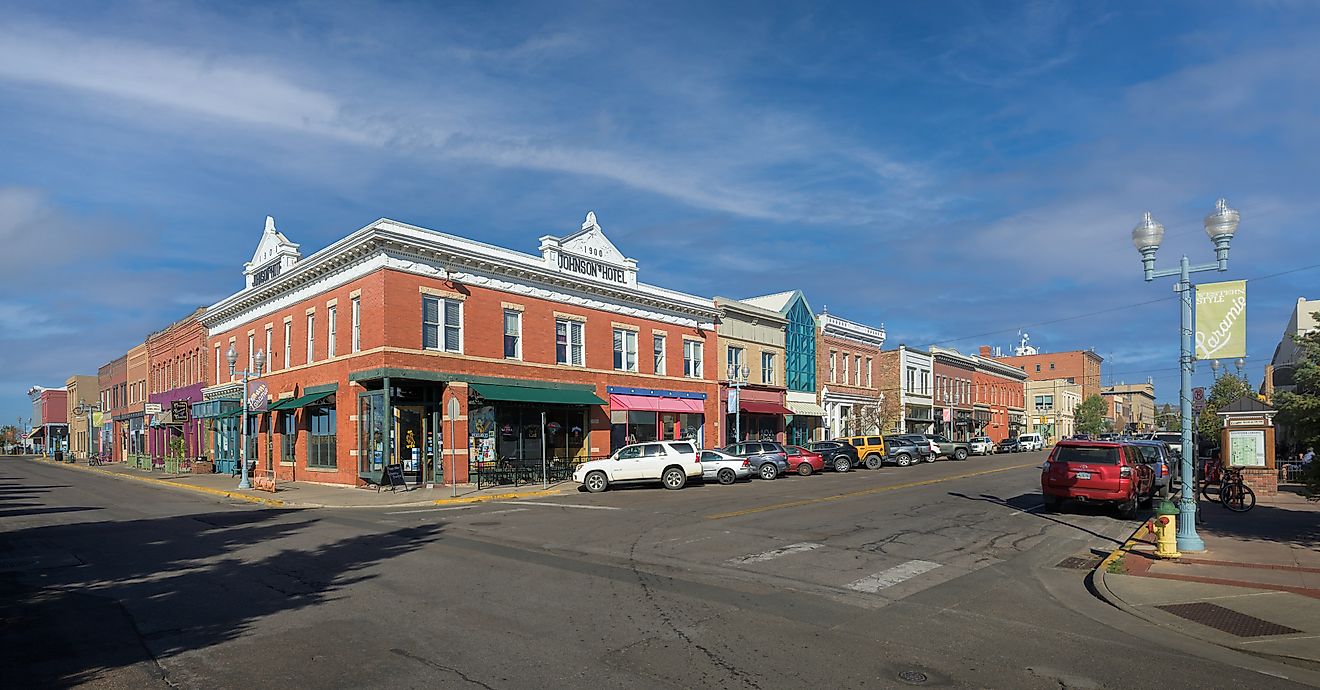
113 381
482 293
1076 366
177 369
999 399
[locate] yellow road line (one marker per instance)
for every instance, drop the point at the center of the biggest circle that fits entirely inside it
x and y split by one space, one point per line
863 492
500 497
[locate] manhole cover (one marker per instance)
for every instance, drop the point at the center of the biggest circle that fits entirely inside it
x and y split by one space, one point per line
1227 620
913 677
1078 563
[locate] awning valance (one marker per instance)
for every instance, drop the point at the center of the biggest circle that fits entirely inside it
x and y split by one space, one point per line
37 432
752 407
534 394
805 409
646 403
300 402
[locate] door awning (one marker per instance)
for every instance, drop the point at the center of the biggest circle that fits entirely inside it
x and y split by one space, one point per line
646 403
806 409
37 432
297 403
752 407
536 394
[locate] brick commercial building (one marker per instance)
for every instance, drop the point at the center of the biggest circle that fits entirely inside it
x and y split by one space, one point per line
137 366
113 381
453 358
752 341
907 373
999 408
850 391
178 370
1131 407
1076 366
50 419
953 373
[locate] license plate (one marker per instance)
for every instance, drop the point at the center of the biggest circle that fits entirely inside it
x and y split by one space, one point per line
1083 475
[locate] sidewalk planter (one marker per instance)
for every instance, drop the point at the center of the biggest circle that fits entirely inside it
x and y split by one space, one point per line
171 465
203 467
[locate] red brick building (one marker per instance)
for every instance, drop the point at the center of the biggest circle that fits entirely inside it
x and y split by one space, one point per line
113 380
1076 366
850 388
999 398
372 342
177 371
953 373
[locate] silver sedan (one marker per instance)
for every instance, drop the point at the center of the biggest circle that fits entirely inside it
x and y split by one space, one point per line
718 466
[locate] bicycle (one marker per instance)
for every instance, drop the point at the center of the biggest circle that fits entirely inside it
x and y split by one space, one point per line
1234 494
96 459
1211 473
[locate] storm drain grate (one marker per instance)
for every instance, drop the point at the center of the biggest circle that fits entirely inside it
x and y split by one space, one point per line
1227 620
1078 563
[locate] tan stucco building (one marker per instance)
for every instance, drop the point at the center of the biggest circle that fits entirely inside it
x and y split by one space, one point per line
82 390
752 337
1131 407
1051 405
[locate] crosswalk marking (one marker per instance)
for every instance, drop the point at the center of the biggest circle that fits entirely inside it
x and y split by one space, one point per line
775 553
892 576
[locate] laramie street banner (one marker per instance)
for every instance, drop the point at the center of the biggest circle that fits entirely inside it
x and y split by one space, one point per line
1221 320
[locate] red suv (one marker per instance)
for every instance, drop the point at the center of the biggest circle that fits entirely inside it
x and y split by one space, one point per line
804 461
1097 472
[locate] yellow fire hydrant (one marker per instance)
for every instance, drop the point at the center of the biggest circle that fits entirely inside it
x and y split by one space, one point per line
1165 524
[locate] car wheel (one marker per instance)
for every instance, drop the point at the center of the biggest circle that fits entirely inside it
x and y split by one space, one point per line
873 461
673 478
903 460
931 458
804 469
842 464
1128 509
960 454
769 471
596 482
726 477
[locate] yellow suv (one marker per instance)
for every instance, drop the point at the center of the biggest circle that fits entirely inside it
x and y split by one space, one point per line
870 449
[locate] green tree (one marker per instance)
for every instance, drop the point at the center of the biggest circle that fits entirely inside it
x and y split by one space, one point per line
1299 410
1168 417
1227 388
1089 417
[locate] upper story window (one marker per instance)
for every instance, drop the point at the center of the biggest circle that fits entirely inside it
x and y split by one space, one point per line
311 338
736 360
568 342
357 324
912 379
768 368
845 368
331 330
658 346
512 334
833 357
288 344
869 383
857 370
442 324
625 349
692 356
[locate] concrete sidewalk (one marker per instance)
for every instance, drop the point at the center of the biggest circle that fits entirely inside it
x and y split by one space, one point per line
1255 588
309 495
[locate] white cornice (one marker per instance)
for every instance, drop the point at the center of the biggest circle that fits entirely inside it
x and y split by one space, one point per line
851 330
388 244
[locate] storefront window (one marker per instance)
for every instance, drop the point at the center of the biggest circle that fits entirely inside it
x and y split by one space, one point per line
641 426
321 437
371 432
288 435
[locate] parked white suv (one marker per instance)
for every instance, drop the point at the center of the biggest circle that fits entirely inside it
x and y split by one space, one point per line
1030 442
672 463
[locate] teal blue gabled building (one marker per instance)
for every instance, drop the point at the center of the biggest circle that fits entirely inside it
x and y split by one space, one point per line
799 363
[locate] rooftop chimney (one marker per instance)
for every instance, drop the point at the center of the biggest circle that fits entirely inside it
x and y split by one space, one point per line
985 350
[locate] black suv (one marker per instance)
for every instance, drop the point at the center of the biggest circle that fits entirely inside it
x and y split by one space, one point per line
768 459
839 455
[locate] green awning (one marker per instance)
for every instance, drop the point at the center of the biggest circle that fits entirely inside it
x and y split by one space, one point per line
537 394
296 403
229 414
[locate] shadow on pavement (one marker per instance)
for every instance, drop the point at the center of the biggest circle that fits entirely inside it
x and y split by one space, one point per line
1026 502
1264 523
169 585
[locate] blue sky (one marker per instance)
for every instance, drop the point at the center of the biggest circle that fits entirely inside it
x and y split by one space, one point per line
947 169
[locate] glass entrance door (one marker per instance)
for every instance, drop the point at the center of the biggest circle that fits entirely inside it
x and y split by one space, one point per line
371 431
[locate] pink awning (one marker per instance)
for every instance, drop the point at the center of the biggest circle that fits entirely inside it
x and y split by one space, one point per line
646 403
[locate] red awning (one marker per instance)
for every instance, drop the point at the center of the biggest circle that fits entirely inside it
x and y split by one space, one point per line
763 407
645 403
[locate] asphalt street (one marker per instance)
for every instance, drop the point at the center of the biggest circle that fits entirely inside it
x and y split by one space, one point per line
937 575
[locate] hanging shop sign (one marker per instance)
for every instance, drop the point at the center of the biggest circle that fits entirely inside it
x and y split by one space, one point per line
152 408
181 410
1221 320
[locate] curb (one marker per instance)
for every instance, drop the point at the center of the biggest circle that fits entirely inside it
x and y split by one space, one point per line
1107 595
273 502
278 503
460 500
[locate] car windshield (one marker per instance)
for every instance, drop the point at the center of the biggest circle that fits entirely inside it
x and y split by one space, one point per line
1088 455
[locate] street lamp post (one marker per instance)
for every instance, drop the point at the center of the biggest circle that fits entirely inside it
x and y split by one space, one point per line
232 357
86 409
1219 227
